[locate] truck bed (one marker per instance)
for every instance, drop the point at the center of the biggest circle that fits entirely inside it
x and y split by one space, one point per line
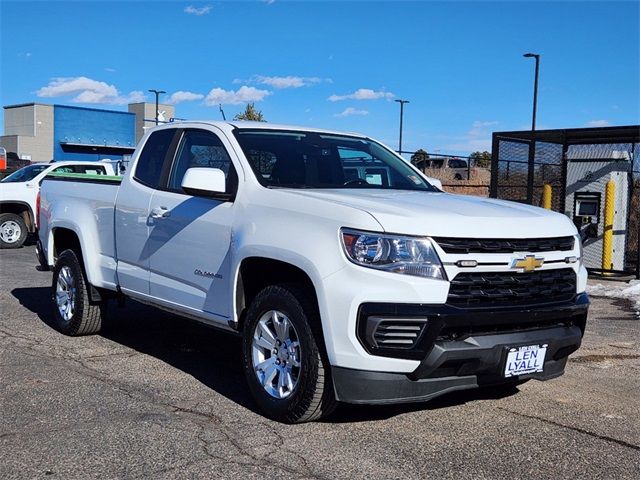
88 202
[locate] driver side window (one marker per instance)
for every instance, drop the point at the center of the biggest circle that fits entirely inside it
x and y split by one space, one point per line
201 148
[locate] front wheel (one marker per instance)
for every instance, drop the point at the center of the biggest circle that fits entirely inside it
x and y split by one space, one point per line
13 230
283 362
73 312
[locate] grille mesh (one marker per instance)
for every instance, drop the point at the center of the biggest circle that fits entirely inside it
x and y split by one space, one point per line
496 289
395 333
487 245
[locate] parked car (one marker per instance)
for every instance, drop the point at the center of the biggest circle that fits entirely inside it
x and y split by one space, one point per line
458 166
3 159
348 275
19 191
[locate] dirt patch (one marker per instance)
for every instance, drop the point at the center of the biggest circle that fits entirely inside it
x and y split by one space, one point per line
477 185
602 358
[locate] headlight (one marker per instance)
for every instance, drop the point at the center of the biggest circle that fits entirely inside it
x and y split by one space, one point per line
580 249
393 253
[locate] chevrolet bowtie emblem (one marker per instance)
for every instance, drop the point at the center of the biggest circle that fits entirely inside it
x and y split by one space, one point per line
528 263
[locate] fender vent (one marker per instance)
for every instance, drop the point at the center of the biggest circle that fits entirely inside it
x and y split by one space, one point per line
395 332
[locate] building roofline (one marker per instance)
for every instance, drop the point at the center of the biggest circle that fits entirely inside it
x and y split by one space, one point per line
94 109
29 104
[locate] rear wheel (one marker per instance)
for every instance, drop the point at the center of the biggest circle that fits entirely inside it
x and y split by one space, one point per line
284 365
13 230
74 313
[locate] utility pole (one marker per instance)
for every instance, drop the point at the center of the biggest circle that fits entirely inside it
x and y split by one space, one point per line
401 102
222 112
532 144
157 92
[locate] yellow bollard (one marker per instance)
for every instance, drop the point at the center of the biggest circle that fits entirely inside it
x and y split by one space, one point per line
607 236
547 195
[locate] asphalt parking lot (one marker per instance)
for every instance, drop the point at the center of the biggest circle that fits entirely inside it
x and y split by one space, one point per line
155 396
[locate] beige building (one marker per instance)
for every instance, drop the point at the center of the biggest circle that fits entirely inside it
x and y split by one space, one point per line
41 132
146 116
28 128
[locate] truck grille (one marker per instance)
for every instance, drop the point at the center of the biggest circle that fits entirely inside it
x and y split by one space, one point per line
487 245
498 289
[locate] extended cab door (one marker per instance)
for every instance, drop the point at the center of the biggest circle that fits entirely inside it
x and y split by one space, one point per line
132 215
190 236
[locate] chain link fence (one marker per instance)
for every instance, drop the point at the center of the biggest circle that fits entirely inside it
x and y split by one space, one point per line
570 161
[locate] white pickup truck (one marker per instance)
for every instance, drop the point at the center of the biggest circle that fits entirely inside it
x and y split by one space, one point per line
19 191
348 275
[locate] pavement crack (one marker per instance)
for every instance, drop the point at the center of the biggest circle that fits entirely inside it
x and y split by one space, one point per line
246 457
575 429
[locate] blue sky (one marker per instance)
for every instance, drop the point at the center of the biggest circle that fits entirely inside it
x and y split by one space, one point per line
335 64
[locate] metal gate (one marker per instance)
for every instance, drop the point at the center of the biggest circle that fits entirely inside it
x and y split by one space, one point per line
518 175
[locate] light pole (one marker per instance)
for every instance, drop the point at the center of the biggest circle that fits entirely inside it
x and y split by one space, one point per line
401 102
157 92
532 144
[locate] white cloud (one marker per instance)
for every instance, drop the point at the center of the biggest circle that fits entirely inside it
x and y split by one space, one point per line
479 127
469 145
228 97
269 2
191 10
350 111
281 82
288 81
182 96
110 70
362 94
87 90
477 138
598 123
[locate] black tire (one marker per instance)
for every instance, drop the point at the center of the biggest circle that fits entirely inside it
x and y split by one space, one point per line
312 397
84 318
9 238
457 177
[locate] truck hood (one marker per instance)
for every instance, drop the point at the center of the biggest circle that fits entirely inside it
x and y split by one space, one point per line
444 214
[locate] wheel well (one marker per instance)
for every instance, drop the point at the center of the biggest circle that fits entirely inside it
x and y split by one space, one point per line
64 239
21 209
257 273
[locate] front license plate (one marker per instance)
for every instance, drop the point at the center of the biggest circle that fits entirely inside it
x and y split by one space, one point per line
523 360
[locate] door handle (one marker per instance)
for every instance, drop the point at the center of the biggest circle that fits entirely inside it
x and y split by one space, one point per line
160 212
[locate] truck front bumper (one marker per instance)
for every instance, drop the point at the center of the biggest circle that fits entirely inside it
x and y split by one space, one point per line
463 349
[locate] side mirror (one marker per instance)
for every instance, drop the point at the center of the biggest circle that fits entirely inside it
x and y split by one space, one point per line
435 182
207 182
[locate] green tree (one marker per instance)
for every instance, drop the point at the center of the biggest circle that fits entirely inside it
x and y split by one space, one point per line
481 159
250 113
420 159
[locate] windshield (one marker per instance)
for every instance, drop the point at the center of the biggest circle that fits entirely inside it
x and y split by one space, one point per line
291 159
25 174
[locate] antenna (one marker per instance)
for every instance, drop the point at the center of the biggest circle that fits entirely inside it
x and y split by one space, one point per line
222 112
